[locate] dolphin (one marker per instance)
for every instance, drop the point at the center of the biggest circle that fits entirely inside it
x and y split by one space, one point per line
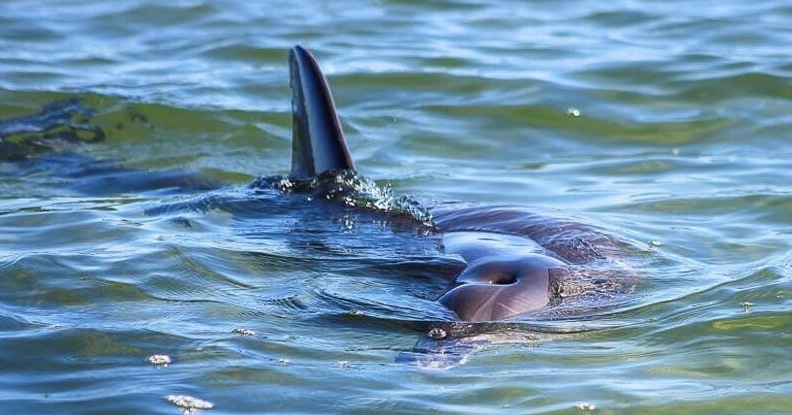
509 263
515 262
514 259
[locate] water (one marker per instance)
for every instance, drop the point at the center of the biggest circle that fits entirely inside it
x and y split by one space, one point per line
666 124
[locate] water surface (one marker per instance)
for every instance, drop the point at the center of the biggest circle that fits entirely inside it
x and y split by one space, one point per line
666 124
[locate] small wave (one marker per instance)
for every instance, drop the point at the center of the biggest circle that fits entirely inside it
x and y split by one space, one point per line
59 127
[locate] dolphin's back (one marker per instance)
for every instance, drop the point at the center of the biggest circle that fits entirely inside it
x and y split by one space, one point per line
318 142
563 238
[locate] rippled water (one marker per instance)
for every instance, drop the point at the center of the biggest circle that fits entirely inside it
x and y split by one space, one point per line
666 124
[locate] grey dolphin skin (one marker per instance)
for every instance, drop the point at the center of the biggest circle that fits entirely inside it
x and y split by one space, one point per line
317 139
513 257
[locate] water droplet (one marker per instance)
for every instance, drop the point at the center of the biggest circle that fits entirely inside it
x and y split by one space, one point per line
437 334
573 112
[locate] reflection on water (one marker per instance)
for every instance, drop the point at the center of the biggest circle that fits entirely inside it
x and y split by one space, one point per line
678 145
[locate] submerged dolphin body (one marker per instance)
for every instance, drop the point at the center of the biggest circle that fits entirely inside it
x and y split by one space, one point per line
514 259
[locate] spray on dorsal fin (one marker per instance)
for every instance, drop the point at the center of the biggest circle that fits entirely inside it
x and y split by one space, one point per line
318 143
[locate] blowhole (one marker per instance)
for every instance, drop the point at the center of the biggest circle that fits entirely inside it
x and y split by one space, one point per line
504 279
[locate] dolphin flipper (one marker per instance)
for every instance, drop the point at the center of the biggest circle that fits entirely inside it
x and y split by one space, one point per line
318 142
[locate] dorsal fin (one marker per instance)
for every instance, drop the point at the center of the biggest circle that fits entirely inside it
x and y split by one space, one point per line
317 139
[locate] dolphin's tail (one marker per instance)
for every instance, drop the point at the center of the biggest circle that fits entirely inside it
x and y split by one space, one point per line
317 139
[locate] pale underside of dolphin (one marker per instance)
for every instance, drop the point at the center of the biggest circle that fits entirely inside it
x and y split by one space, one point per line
514 258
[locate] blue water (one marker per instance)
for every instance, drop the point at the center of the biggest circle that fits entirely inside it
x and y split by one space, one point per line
665 124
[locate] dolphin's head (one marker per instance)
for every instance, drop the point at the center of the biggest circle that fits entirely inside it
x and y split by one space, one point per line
495 288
